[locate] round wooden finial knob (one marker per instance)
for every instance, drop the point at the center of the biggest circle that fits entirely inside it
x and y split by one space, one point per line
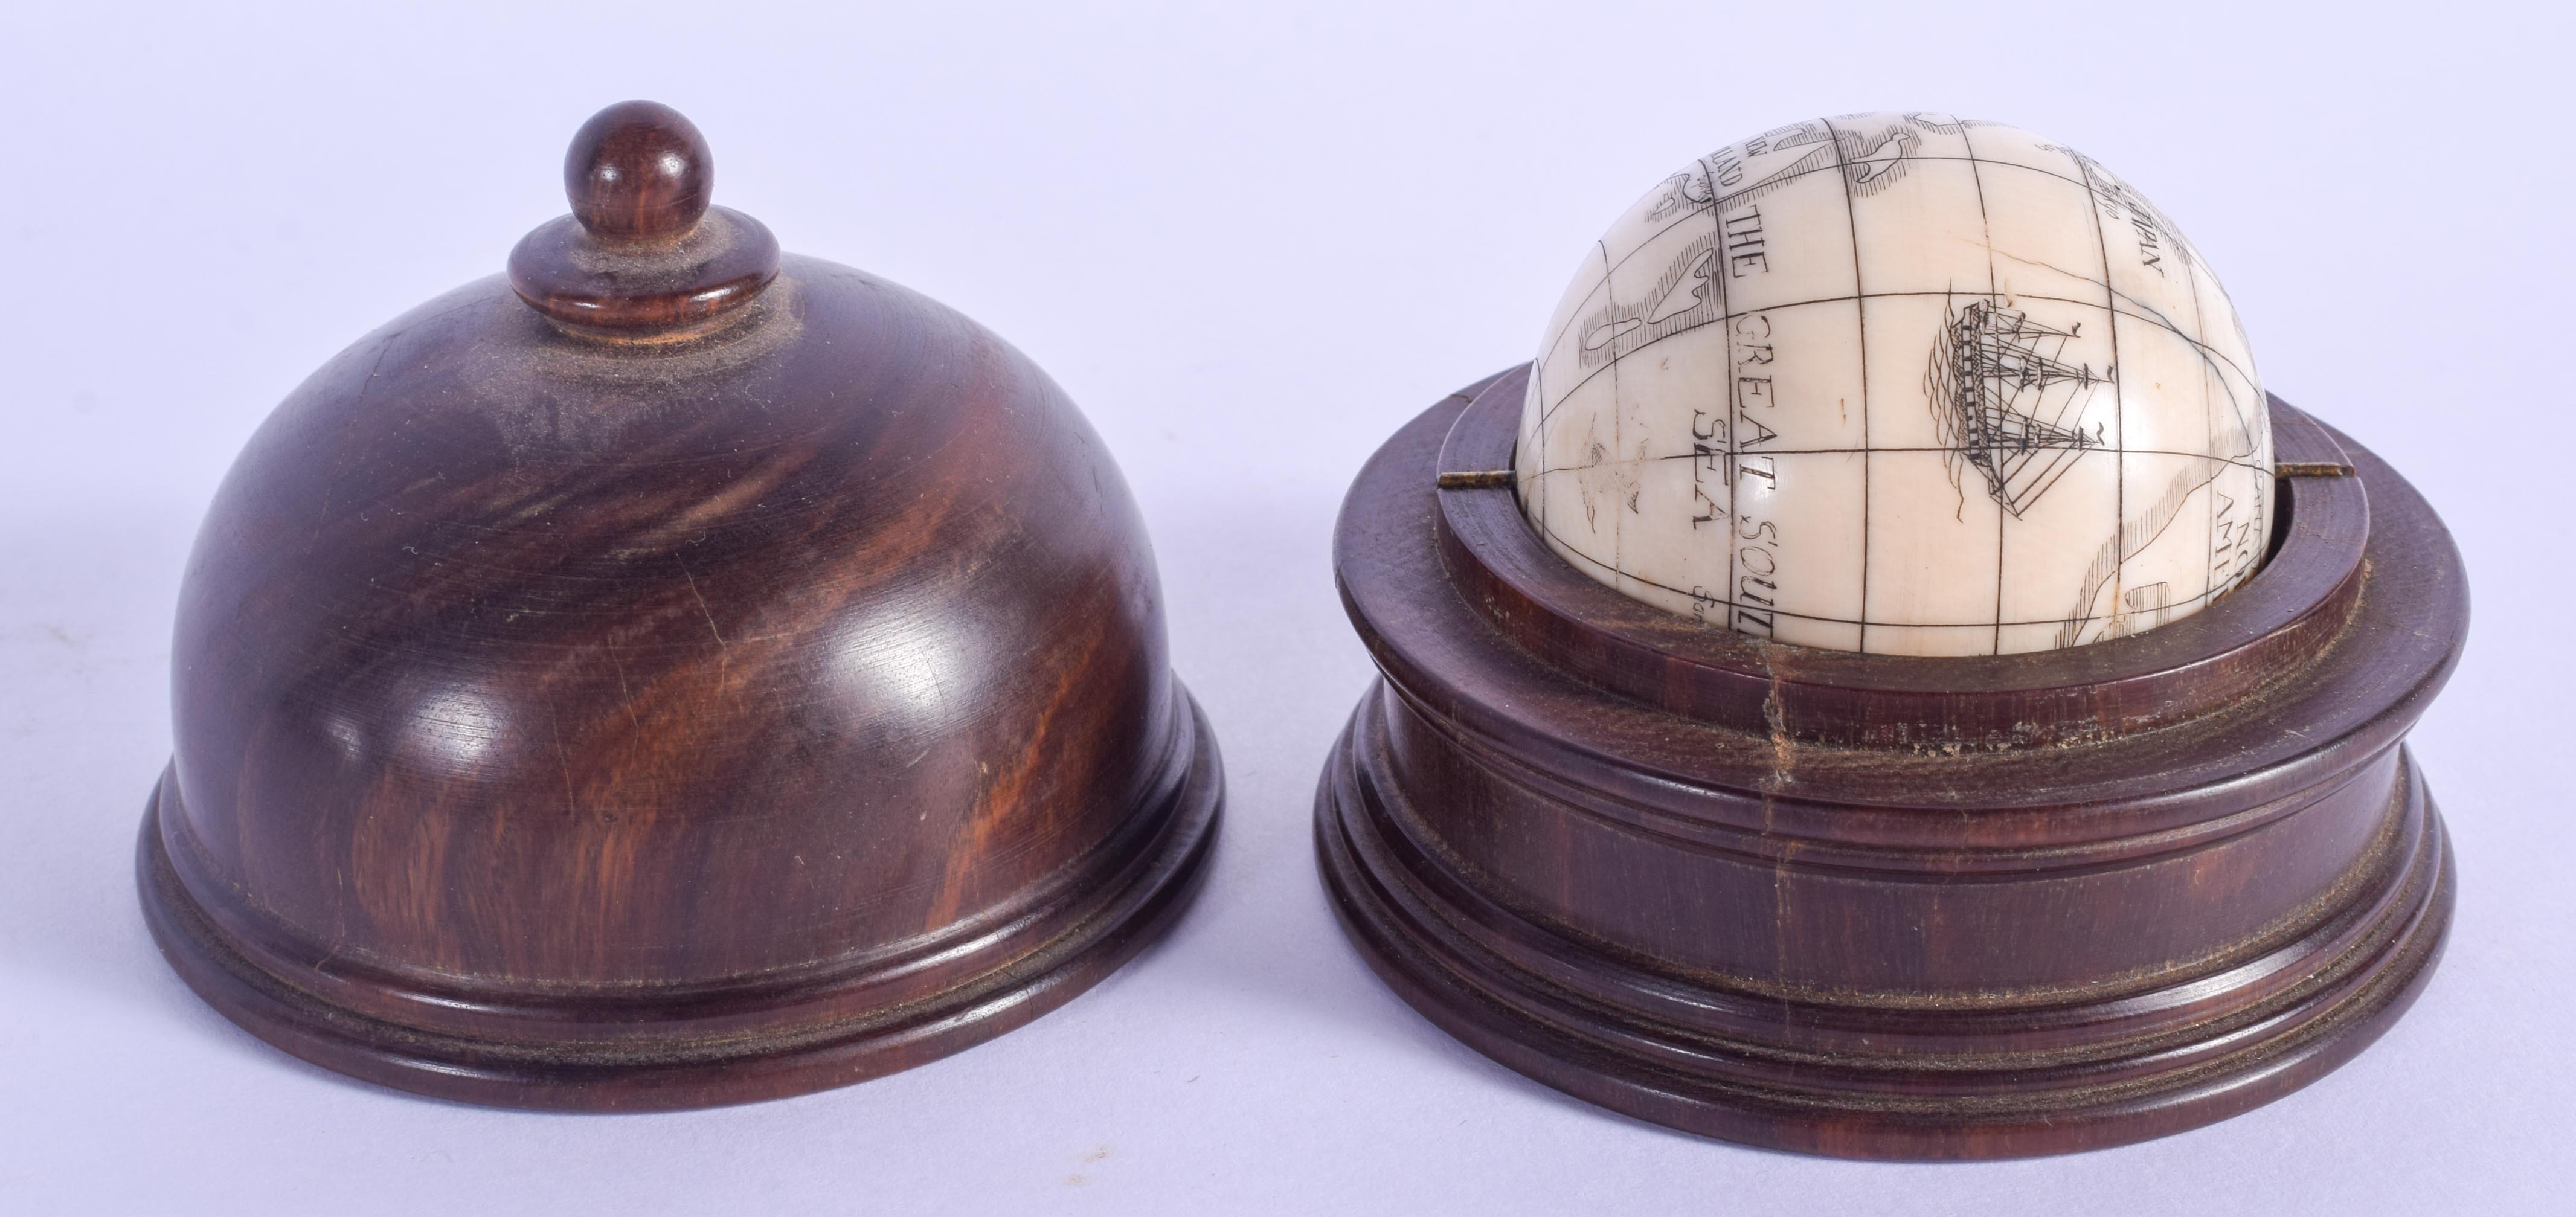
642 256
639 171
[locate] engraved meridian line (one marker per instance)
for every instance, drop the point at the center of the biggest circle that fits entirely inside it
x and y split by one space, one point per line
1998 383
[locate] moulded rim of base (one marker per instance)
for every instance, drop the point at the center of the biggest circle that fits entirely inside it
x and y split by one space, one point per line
2280 1052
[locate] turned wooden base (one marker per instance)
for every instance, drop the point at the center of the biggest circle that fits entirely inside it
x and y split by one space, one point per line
1885 906
708 1044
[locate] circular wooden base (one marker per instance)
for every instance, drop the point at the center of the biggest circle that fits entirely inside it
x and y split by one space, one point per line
1427 936
717 1044
1890 907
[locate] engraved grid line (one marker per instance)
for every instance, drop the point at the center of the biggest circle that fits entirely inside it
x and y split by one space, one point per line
1860 335
2212 359
1719 203
1565 547
2207 350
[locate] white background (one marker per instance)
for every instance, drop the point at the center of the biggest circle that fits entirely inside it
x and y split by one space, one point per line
1251 244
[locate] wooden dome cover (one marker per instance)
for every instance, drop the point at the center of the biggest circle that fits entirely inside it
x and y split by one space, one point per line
674 673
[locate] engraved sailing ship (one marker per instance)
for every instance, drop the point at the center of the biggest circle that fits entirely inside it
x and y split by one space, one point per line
2001 390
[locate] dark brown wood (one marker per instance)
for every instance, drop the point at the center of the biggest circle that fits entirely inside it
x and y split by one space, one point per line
642 257
1885 906
600 723
639 171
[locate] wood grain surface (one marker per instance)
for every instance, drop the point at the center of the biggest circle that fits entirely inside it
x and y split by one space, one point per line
670 719
1884 906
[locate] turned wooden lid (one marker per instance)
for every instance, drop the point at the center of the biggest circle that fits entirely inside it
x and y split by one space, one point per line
680 672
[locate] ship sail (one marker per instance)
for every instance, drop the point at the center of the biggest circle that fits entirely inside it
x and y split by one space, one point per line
2001 390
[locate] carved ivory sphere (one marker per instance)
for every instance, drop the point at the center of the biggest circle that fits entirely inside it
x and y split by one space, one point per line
1900 383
